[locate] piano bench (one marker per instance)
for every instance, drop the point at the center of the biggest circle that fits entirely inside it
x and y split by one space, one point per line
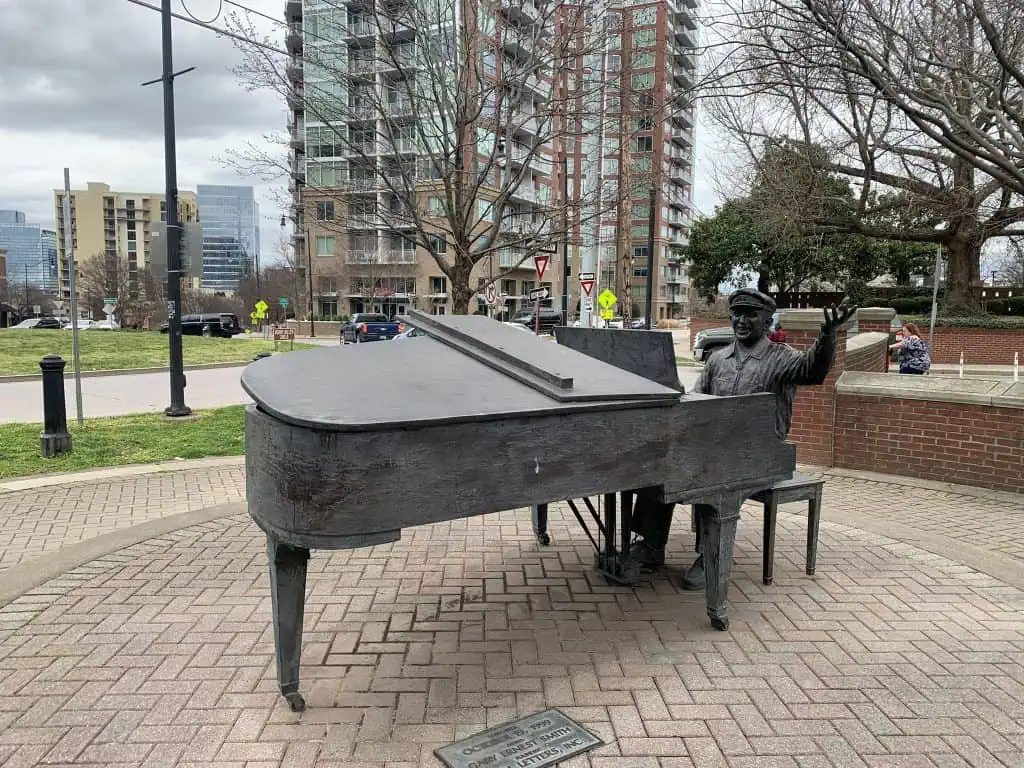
798 488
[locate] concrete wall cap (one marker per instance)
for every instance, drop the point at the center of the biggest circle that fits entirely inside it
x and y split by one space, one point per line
948 389
806 320
866 339
876 314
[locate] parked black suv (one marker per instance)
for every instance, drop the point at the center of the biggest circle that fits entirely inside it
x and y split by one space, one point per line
549 318
222 324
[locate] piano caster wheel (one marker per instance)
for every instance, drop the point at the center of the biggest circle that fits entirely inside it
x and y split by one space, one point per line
295 702
543 539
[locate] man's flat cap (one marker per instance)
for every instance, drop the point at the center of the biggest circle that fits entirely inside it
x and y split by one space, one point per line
748 297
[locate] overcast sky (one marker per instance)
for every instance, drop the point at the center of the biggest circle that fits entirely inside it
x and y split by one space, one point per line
70 95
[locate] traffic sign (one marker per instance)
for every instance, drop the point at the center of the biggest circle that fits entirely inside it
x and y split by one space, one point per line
607 314
261 309
539 294
588 303
540 261
110 301
491 294
283 301
586 282
607 300
108 309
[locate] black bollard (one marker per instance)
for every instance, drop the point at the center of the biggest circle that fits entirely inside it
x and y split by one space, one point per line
55 438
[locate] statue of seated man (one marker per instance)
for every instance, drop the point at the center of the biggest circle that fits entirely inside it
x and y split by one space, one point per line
749 365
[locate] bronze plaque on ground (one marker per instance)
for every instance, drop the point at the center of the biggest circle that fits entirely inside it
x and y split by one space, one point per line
534 741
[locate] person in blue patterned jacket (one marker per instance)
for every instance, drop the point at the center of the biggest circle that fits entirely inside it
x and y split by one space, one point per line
914 356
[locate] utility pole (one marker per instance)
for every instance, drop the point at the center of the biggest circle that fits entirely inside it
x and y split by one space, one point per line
653 218
69 254
172 225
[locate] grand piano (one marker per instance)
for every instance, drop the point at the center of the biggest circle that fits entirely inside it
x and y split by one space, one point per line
345 447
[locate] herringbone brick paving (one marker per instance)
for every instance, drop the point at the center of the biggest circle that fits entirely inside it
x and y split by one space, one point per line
161 655
37 522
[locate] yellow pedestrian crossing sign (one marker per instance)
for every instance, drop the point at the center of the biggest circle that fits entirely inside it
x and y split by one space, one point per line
607 314
261 309
607 300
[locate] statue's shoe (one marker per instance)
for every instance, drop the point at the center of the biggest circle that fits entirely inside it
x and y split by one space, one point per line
648 556
693 579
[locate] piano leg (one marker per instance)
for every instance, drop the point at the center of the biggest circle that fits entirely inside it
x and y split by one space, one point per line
288 594
539 517
718 537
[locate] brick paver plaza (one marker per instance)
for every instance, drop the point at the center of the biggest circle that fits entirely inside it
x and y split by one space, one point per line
906 649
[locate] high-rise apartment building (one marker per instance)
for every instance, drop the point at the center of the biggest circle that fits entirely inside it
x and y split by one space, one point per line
357 242
106 223
31 253
231 235
648 141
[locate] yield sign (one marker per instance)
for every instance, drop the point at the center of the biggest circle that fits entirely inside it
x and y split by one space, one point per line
587 283
540 261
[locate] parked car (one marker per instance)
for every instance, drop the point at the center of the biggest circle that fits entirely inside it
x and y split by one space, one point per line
369 326
549 318
409 333
40 324
220 324
709 341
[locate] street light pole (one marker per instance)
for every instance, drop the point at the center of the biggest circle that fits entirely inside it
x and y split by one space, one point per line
172 225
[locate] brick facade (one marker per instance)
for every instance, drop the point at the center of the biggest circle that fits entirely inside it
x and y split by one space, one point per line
949 442
813 410
981 346
873 355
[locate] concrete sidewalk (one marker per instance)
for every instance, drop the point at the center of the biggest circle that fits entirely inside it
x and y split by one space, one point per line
156 650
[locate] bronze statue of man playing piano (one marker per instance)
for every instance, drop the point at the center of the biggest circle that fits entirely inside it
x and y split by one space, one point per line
749 365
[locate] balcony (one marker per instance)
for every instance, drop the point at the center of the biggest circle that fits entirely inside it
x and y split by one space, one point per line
293 11
360 29
680 136
512 258
293 43
361 149
399 107
362 257
294 72
399 57
401 256
361 65
296 99
359 110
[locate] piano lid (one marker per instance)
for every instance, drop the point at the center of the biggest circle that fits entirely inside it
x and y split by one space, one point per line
469 368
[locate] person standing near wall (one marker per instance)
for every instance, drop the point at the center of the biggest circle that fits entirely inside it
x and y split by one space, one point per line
914 355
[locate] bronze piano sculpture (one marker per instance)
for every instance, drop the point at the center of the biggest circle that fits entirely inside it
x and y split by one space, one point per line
492 424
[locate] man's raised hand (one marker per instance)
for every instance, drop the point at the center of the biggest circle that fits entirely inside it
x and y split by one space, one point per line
837 317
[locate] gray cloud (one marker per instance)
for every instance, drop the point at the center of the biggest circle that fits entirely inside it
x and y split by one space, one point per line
77 65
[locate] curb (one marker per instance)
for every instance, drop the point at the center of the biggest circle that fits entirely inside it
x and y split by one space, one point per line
113 473
1007 497
122 372
35 572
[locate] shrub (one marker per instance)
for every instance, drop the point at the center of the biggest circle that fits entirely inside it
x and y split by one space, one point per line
877 302
998 307
1015 306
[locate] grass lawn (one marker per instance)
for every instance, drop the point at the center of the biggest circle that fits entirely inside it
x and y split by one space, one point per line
21 350
125 440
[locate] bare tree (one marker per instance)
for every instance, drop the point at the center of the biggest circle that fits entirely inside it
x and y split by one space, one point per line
139 295
1009 265
917 103
451 141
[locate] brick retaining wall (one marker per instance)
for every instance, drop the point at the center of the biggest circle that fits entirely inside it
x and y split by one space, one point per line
981 346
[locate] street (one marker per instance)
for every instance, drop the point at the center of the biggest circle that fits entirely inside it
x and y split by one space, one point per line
148 393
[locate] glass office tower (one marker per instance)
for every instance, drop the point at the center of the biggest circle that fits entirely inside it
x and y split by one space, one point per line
31 253
231 235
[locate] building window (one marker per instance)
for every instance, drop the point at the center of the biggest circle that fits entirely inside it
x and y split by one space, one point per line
327 284
508 287
439 285
439 243
435 206
641 210
640 231
643 144
614 62
643 123
328 308
641 164
644 38
325 245
643 60
644 17
643 82
640 254
325 211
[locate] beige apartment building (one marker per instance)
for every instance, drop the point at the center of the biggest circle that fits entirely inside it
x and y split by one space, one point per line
105 222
